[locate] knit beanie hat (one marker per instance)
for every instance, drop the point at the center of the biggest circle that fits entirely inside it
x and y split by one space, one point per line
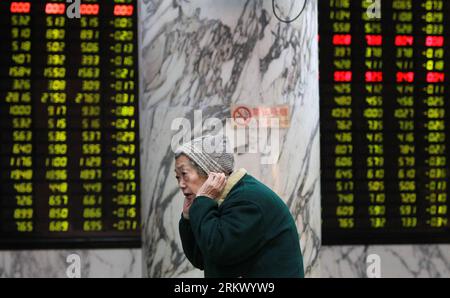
210 153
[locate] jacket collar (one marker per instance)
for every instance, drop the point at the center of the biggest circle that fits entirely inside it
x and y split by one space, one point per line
232 180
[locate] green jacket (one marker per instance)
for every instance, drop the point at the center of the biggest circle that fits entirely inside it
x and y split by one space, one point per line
250 234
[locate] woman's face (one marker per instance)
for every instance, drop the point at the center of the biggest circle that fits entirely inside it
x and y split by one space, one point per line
188 179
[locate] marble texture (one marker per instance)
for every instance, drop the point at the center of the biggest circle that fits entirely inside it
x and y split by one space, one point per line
207 55
117 263
397 261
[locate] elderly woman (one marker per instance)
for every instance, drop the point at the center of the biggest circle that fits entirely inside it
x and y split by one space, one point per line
232 225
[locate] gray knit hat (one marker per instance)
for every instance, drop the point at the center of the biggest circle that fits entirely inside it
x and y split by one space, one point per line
210 153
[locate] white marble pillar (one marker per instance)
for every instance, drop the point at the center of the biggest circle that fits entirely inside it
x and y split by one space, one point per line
208 55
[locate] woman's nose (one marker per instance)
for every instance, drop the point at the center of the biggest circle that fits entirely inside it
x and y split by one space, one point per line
182 184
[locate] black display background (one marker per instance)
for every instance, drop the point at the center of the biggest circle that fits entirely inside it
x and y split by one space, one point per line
75 237
393 232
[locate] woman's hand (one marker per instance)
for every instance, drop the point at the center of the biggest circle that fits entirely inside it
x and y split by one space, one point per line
186 206
213 186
